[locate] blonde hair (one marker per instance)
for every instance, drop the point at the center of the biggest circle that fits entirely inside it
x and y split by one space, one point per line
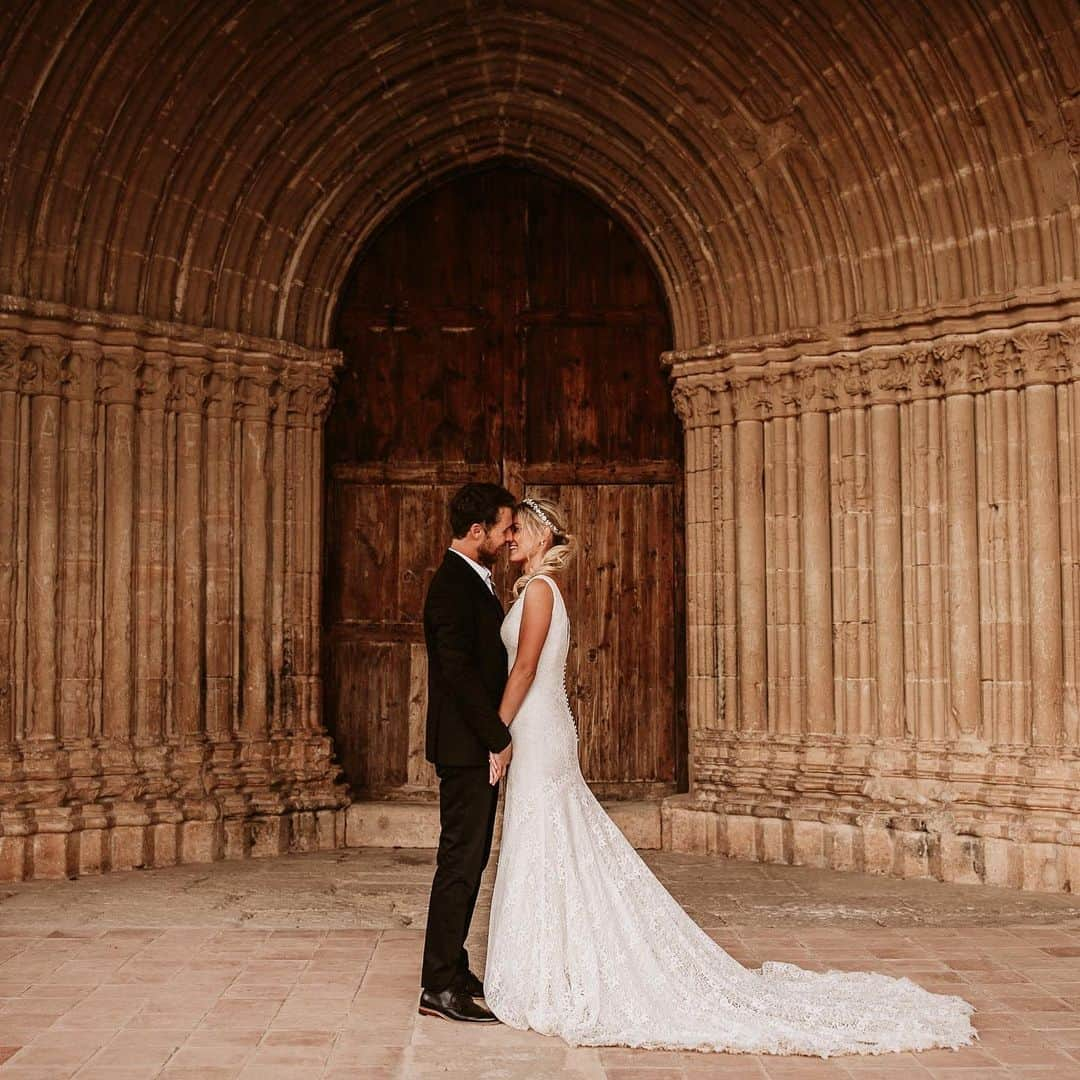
538 515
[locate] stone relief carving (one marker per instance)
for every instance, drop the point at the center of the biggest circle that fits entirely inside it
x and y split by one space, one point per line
970 364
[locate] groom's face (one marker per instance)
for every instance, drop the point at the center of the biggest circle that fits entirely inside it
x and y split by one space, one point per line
497 537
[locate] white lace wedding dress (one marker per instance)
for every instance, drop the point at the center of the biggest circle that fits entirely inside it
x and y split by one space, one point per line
587 944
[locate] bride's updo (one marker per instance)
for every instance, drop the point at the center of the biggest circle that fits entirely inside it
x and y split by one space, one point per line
536 516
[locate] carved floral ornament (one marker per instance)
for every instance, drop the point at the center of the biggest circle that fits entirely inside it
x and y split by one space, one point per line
238 385
964 364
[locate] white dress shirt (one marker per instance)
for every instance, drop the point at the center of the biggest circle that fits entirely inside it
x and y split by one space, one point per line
483 571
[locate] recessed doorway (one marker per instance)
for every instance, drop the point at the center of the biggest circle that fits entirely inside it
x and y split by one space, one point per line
505 327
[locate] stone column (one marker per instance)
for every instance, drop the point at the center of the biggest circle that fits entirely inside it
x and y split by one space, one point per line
118 684
783 573
320 407
750 563
10 439
189 707
1044 565
704 705
219 539
254 410
79 706
963 555
151 556
276 572
300 647
817 570
40 375
888 569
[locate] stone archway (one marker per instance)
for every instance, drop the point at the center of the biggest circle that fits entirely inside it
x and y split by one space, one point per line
867 230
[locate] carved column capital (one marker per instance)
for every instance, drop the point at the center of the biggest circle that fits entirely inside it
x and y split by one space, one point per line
79 373
693 403
119 378
187 386
309 394
256 391
220 388
154 382
1041 355
40 366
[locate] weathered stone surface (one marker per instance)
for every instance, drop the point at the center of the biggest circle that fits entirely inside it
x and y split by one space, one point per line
876 363
416 824
134 770
780 188
691 827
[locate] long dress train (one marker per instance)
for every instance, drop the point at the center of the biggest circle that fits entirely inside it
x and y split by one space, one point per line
587 944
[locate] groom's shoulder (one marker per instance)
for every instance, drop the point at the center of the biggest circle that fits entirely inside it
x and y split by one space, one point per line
447 576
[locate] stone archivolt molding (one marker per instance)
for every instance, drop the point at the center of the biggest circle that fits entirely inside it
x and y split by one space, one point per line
1030 355
751 176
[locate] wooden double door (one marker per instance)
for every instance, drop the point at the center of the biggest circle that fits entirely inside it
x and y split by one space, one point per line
504 328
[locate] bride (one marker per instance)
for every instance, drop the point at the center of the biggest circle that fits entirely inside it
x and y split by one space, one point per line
587 944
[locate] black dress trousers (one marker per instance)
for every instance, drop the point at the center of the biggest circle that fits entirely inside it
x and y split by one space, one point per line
467 804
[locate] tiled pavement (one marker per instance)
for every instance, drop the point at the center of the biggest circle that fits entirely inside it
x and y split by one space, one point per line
171 974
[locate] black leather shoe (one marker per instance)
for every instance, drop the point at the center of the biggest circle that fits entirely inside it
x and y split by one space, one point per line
455 1004
471 985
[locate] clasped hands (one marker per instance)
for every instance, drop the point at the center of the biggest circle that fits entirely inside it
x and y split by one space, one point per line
499 763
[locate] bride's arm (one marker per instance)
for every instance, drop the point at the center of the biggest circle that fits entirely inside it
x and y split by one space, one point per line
535 620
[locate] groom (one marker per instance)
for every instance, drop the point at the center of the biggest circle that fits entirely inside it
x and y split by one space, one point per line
466 676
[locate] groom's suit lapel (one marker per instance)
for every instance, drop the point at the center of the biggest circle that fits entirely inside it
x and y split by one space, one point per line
476 583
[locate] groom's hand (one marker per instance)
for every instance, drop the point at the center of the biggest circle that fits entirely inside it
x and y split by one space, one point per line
499 763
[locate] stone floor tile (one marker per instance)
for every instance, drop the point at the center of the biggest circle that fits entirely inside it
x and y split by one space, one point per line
1031 1055
12 1071
266 1071
298 1058
188 1056
127 1072
894 1066
967 1057
780 1068
623 1057
205 1072
349 1072
67 1052
630 1072
723 1067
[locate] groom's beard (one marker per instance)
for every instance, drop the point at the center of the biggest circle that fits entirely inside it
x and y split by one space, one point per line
489 558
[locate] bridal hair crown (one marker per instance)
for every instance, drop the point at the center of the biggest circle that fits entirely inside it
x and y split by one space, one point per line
544 519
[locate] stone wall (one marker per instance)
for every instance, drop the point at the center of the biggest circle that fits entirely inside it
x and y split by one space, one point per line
884 589
867 228
160 502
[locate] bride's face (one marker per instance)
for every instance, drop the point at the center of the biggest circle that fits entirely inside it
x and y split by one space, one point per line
526 540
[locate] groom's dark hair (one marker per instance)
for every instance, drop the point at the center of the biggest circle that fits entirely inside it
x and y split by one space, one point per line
477 504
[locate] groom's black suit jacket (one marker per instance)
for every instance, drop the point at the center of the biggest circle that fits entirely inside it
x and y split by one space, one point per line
466 666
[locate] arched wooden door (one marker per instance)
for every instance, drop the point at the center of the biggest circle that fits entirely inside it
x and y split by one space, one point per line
505 328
